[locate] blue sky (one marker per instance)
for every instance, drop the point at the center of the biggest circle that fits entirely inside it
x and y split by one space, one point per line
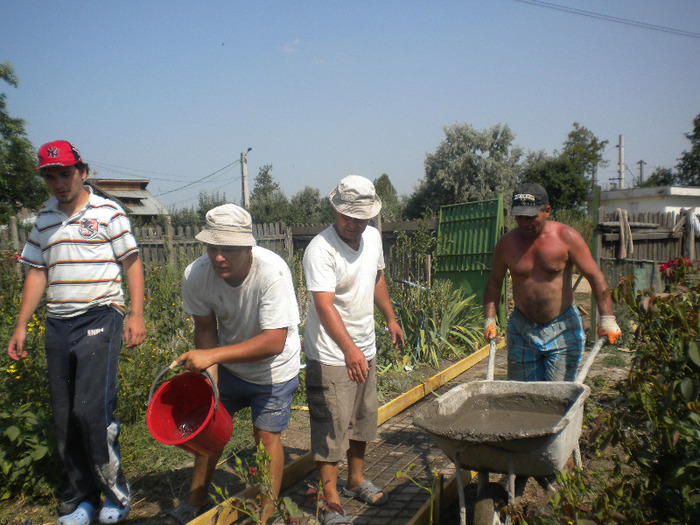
175 91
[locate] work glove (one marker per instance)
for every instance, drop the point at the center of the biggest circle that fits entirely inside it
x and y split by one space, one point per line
608 328
490 328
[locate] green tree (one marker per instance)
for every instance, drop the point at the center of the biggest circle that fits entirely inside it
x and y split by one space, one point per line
688 168
659 177
561 177
392 209
307 207
20 186
468 165
585 150
207 201
268 202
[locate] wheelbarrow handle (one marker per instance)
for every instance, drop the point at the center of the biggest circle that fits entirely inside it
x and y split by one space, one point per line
173 365
491 367
583 371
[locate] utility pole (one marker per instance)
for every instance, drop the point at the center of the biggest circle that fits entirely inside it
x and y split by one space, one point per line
621 163
245 200
641 171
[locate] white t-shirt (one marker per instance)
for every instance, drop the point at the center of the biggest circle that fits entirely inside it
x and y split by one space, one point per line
330 265
265 300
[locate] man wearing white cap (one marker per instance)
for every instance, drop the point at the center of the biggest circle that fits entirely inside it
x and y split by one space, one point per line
343 268
245 313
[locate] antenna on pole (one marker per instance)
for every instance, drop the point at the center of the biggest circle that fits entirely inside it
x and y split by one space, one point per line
245 200
641 171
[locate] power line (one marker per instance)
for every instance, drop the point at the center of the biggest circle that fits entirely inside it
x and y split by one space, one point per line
610 18
199 180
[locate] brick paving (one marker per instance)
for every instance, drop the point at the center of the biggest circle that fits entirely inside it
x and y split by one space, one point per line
398 445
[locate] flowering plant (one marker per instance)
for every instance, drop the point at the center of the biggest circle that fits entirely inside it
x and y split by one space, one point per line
675 270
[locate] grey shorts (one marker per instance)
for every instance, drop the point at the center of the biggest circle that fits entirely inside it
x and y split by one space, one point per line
340 410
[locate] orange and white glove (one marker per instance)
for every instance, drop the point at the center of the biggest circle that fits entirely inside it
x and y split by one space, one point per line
490 328
608 328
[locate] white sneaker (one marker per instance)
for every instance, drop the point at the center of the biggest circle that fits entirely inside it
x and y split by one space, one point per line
84 514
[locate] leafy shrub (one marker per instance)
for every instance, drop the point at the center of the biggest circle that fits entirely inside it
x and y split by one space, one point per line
438 322
28 462
655 422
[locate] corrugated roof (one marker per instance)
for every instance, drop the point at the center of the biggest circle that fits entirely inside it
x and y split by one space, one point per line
147 205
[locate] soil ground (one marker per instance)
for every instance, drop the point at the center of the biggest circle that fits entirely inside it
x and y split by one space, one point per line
155 493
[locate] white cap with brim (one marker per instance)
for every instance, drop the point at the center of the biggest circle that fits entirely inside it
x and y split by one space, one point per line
355 197
227 225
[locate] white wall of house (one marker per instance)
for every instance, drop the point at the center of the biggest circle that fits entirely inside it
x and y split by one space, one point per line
652 200
662 198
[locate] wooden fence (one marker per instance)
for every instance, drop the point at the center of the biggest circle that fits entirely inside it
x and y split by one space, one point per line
638 244
161 246
656 237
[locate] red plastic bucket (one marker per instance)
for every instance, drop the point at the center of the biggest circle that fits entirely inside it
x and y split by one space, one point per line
185 412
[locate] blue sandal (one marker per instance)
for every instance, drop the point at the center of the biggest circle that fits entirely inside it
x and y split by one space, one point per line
84 514
113 513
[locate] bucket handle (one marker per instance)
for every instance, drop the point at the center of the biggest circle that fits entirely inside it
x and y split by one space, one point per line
176 364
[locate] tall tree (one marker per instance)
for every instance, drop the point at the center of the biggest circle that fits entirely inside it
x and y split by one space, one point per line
468 165
307 207
268 203
688 168
392 209
562 178
20 186
584 150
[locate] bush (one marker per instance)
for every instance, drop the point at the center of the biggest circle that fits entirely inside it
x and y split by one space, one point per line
438 322
655 421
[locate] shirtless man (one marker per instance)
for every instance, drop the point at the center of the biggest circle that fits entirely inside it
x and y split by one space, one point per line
545 335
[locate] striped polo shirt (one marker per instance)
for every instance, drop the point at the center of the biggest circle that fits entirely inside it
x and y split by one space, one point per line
82 254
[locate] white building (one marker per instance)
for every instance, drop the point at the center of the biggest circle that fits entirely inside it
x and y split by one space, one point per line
653 200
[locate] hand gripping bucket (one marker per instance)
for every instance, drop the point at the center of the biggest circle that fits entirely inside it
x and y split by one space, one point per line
185 412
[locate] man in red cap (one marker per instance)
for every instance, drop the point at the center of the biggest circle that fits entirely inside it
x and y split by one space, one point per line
76 252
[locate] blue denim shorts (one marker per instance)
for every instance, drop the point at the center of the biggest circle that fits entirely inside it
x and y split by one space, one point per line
545 351
270 405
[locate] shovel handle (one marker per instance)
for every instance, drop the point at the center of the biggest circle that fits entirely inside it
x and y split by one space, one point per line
583 372
173 365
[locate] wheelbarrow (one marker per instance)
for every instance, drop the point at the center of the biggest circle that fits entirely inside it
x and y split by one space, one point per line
516 428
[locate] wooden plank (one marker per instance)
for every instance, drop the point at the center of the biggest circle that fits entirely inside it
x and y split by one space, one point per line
300 467
401 403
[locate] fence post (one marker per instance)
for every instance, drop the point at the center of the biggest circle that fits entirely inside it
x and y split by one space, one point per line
689 235
289 242
15 242
168 245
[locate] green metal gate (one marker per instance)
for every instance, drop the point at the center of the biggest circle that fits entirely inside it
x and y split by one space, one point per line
467 236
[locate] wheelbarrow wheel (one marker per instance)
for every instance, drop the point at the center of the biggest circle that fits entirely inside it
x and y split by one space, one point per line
489 502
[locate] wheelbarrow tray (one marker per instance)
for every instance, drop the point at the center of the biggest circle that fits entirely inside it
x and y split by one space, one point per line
518 427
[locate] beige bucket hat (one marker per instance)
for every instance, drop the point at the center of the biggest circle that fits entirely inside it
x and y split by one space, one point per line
355 197
227 225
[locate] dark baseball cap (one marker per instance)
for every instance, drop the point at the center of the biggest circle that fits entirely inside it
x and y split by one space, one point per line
528 199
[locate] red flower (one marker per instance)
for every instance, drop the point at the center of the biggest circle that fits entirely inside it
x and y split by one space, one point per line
252 471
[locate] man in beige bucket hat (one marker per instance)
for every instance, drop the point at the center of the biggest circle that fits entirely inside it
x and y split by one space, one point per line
245 313
343 268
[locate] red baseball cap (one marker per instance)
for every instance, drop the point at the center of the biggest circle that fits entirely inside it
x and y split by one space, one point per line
58 153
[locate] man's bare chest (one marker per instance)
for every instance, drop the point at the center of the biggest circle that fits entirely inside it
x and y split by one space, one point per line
538 261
